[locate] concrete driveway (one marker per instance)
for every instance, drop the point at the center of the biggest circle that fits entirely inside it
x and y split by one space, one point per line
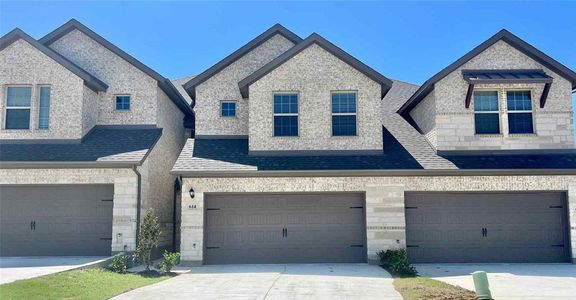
17 268
511 281
298 281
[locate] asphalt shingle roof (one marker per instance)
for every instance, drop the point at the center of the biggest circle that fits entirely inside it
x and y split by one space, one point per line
519 161
204 155
102 144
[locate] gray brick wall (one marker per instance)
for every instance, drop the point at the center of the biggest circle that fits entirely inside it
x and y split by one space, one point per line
21 63
553 124
224 86
118 74
314 73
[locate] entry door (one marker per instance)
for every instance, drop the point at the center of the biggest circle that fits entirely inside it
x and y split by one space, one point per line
284 228
56 220
486 227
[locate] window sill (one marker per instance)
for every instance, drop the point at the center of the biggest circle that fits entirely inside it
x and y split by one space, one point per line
489 135
522 135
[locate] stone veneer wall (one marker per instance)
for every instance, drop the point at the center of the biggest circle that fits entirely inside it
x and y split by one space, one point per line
224 86
118 74
314 74
22 64
125 194
386 227
553 124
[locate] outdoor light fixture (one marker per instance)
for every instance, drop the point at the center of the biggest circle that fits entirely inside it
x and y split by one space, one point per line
191 193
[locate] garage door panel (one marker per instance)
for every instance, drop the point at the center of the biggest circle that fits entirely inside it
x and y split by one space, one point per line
69 220
319 228
520 227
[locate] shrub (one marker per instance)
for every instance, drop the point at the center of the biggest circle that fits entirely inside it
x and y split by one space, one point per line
119 264
170 260
396 262
148 240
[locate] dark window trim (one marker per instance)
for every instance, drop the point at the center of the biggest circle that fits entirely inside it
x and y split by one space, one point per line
129 102
355 92
297 114
495 112
235 108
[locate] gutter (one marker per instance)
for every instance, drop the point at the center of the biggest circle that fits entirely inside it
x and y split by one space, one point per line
66 164
383 173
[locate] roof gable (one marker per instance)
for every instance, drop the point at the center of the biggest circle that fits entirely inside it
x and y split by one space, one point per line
164 84
89 80
190 86
315 38
505 36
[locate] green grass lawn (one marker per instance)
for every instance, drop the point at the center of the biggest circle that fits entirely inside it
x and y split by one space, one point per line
79 284
423 288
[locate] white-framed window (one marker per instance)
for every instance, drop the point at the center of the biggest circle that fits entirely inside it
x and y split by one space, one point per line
44 107
228 108
344 114
122 102
285 114
18 107
519 106
486 112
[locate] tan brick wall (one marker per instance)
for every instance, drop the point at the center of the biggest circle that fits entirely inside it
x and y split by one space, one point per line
553 124
224 86
314 74
125 194
384 200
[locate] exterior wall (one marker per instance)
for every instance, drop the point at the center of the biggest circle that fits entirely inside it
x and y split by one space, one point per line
553 124
125 194
224 86
314 73
89 110
424 114
157 182
21 63
118 74
386 228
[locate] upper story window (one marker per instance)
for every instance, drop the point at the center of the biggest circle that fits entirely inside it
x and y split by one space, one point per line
519 112
486 112
286 114
343 114
228 108
44 108
18 104
122 102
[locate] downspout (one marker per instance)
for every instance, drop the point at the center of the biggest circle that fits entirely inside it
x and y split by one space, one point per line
138 202
176 191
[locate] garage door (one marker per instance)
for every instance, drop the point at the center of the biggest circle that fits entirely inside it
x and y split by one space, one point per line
56 220
487 227
284 228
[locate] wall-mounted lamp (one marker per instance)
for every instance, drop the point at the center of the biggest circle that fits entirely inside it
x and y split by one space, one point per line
191 193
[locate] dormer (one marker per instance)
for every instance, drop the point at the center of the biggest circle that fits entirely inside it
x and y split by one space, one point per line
503 95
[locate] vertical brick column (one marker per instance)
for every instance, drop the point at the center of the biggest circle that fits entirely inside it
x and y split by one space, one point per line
192 225
572 219
124 214
385 223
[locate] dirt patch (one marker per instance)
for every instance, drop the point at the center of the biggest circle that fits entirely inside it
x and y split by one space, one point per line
422 288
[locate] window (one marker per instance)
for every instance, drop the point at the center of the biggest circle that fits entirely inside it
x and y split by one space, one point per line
228 109
519 112
343 114
44 108
285 114
486 113
18 103
122 102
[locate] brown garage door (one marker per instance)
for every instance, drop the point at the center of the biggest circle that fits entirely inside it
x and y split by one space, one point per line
56 220
486 227
284 228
